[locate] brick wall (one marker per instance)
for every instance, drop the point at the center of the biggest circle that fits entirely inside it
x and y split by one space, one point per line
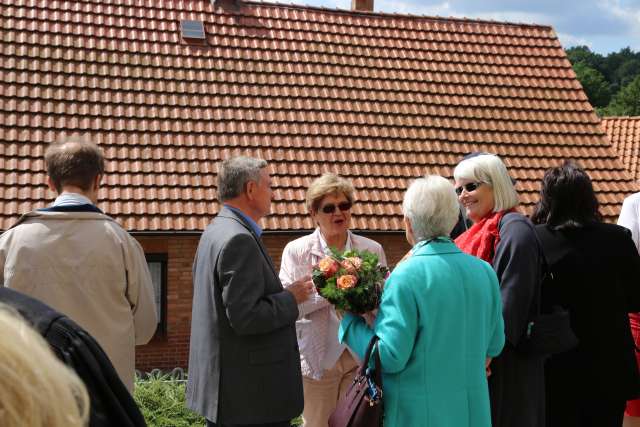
171 349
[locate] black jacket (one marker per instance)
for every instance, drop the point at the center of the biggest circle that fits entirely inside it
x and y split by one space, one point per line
596 270
111 403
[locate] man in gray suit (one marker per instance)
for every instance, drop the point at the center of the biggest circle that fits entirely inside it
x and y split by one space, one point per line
244 364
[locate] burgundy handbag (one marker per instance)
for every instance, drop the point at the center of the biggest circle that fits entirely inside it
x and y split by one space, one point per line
361 406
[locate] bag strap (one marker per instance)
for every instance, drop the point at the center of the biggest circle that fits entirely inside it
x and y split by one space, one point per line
554 247
372 348
367 354
545 241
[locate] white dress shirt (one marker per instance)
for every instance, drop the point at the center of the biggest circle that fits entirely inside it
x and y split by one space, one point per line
630 217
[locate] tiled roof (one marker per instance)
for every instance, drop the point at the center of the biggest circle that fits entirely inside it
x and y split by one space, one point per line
379 98
624 134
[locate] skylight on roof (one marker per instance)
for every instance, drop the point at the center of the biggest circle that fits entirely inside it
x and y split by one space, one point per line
192 29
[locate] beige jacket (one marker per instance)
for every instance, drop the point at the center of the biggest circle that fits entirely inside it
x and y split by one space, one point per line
86 266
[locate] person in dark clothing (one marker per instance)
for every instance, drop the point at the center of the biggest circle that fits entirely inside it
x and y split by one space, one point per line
110 401
506 239
595 267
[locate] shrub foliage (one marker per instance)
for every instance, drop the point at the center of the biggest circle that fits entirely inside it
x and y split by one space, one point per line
162 402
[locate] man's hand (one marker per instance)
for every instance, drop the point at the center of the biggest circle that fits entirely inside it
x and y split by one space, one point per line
301 289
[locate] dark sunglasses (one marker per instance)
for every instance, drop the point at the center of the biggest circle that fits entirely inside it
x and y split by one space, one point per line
471 186
331 208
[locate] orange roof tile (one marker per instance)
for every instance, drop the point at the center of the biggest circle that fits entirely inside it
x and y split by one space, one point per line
624 134
379 98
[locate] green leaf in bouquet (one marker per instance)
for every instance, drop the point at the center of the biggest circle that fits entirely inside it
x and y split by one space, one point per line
350 253
318 279
335 253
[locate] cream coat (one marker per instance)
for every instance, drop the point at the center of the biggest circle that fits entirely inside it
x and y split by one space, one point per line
86 266
307 251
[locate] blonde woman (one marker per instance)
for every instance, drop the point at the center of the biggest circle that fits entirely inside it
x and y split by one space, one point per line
36 389
328 367
506 239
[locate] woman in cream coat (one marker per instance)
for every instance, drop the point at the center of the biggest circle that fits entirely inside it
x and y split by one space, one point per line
327 366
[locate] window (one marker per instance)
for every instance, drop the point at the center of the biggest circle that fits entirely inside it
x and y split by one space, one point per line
158 268
193 30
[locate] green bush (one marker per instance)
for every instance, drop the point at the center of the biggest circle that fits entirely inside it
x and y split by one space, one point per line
162 402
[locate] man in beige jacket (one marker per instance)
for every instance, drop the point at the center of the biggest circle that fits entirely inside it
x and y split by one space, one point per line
80 261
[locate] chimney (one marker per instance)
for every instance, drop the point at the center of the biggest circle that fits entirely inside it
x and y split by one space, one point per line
362 5
228 5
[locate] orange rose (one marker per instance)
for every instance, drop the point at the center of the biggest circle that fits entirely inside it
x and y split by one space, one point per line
347 281
352 264
328 266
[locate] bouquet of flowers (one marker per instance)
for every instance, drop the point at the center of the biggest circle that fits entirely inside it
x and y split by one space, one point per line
351 280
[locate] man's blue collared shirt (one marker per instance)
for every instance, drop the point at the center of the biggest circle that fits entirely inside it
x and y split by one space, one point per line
254 225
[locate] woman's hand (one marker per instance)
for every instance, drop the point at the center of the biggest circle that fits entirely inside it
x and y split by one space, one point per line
301 289
370 317
487 366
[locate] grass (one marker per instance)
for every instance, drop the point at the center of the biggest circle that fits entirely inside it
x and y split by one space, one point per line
162 402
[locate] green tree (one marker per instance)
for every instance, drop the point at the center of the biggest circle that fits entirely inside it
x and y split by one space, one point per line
626 102
594 84
612 64
584 54
626 72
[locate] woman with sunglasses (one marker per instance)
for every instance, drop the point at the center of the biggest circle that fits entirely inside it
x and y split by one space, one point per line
506 239
328 367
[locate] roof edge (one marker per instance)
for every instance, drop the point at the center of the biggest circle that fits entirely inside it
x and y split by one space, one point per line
397 15
186 233
620 118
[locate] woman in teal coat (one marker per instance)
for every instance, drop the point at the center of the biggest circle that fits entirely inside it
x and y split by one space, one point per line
439 321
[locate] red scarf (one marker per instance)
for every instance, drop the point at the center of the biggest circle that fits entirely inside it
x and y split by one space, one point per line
482 238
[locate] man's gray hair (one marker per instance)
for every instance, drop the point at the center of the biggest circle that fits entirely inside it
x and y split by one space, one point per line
431 205
234 173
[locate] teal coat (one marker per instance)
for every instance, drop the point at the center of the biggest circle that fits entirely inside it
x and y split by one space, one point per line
439 318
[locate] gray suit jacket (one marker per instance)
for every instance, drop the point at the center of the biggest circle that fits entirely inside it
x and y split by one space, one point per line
244 363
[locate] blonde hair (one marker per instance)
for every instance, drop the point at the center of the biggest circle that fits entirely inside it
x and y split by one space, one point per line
329 183
36 389
431 205
489 169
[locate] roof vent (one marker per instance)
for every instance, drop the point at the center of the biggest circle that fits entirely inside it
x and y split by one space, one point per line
192 30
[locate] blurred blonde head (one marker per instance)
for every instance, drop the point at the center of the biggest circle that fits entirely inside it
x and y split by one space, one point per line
36 389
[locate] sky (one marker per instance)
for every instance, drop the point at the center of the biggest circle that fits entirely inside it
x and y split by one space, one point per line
603 25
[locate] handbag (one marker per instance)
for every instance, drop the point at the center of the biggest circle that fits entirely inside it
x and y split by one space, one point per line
361 406
548 333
